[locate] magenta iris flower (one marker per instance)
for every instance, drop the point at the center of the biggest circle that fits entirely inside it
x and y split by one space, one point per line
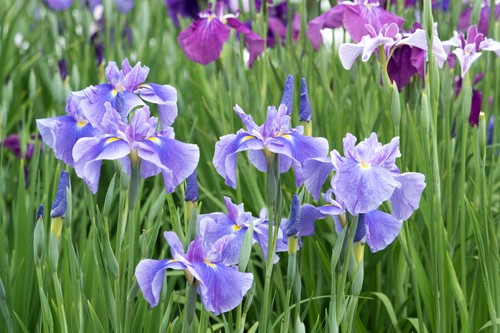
354 16
221 287
202 41
484 18
139 140
61 133
467 50
274 136
123 91
215 226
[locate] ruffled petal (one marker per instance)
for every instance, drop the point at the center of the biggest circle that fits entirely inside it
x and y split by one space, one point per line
382 229
406 199
316 171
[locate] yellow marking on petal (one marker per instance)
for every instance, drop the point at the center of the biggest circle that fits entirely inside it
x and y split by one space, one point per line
467 52
154 139
112 140
364 165
248 137
210 264
224 21
145 85
119 87
173 260
114 92
81 123
287 136
236 227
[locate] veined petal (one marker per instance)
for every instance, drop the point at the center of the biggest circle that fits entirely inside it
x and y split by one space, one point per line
150 273
45 127
362 188
202 41
382 229
466 57
308 216
372 44
135 77
221 288
89 152
405 199
348 53
226 152
124 102
166 98
316 171
176 159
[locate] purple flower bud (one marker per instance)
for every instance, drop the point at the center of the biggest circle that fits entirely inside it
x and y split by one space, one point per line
361 229
63 69
305 105
191 188
39 214
59 206
294 226
287 98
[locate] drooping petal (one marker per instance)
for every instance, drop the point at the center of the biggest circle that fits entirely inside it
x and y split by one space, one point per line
221 288
166 98
254 42
348 54
202 41
405 199
308 216
382 229
316 171
299 148
176 159
466 57
89 152
331 19
226 153
362 188
45 128
150 273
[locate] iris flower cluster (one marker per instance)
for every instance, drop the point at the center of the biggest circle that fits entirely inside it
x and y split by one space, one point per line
96 128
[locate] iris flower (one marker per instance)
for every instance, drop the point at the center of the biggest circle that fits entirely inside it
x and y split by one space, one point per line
139 140
61 133
202 41
484 17
354 16
364 178
467 50
215 226
122 93
221 287
273 137
184 8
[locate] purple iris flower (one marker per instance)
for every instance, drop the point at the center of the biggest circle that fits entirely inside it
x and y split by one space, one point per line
202 41
467 50
157 151
354 16
366 177
184 8
58 4
274 136
484 18
13 143
410 51
477 99
277 24
215 226
221 287
122 90
61 133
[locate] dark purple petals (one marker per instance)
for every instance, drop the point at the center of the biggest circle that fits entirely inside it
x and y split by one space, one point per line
191 188
202 41
184 8
305 113
475 109
400 67
361 229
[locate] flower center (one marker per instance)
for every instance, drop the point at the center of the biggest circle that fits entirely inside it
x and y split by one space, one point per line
208 263
364 165
236 227
81 123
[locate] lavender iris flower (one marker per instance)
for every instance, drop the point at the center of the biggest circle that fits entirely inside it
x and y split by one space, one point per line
202 41
58 4
467 50
61 133
273 137
122 90
364 178
215 226
157 151
221 287
354 16
184 8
